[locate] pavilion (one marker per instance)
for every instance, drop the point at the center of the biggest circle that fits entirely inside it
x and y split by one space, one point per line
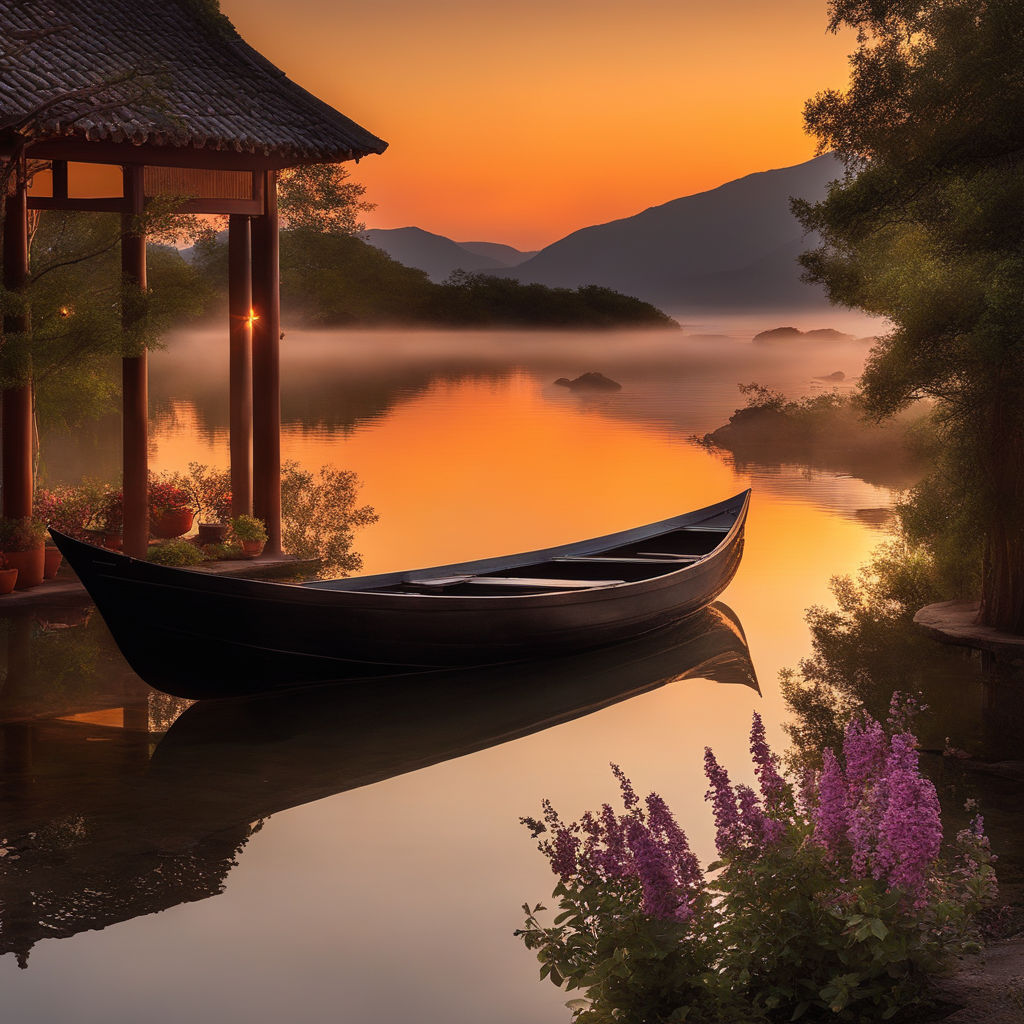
169 92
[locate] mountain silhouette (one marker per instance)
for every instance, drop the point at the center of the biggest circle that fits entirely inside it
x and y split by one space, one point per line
505 254
731 247
438 255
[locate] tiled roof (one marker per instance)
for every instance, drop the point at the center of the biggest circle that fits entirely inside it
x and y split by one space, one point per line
159 72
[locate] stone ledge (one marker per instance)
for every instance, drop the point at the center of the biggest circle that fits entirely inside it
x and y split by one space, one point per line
67 591
952 622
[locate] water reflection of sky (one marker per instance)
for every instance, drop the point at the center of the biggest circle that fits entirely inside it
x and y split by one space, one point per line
397 901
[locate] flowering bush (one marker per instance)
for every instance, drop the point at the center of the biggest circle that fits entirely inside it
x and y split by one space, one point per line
832 903
73 510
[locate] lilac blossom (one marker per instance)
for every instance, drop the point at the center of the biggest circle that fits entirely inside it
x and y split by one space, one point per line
728 828
661 892
775 791
831 817
910 834
663 826
564 854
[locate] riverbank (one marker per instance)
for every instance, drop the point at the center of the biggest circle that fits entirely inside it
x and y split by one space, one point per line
984 989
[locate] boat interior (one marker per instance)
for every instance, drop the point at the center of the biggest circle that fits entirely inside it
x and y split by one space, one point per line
623 563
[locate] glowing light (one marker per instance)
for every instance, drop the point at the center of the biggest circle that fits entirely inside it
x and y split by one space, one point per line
251 318
65 312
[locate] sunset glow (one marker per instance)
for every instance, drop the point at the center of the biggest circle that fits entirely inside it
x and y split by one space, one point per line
524 121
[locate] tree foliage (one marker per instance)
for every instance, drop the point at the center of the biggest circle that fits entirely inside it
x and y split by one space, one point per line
321 198
925 229
75 296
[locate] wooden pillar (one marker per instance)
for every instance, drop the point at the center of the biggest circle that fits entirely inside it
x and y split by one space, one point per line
240 344
134 375
266 372
17 401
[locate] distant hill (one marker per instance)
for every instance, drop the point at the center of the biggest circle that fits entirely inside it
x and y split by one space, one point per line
438 255
505 254
732 247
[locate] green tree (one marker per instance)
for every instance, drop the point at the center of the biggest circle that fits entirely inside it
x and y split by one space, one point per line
320 198
926 228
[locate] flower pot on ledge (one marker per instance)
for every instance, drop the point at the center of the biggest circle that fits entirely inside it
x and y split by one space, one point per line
30 566
252 548
173 523
51 563
212 533
8 579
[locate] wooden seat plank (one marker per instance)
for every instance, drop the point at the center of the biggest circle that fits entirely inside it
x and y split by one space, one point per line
544 584
670 554
639 560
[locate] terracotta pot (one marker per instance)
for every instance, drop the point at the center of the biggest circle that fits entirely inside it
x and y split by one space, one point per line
174 523
51 563
30 565
114 541
252 548
8 578
212 533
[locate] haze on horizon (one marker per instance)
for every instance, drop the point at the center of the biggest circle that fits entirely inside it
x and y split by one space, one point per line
522 121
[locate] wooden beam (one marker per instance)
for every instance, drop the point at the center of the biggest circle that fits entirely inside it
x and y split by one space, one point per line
115 204
16 417
266 370
134 378
240 359
124 153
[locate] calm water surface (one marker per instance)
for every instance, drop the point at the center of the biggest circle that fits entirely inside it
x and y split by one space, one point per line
348 894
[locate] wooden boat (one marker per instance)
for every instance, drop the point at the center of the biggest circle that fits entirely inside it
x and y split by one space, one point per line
194 634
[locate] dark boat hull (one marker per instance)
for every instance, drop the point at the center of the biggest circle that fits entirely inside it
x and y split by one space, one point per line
197 635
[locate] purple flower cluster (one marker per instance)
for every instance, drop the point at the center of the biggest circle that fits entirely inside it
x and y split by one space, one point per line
645 843
744 820
880 812
870 809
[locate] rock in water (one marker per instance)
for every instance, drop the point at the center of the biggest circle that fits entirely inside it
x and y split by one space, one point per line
592 381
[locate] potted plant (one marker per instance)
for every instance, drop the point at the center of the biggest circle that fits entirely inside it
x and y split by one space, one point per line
22 542
8 577
111 520
215 529
251 533
170 509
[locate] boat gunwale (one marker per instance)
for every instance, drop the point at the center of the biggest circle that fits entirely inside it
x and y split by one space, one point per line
367 584
339 592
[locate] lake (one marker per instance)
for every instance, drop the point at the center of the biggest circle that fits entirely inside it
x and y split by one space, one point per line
381 874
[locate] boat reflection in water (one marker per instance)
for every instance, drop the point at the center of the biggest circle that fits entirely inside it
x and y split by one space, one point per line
105 819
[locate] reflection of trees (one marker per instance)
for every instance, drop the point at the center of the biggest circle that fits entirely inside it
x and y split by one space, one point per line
867 648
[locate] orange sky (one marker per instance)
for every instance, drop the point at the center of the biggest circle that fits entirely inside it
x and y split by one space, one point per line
524 120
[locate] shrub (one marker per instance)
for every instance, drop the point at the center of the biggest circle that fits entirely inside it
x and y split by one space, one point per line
71 510
211 492
319 513
21 534
178 552
833 905
221 552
